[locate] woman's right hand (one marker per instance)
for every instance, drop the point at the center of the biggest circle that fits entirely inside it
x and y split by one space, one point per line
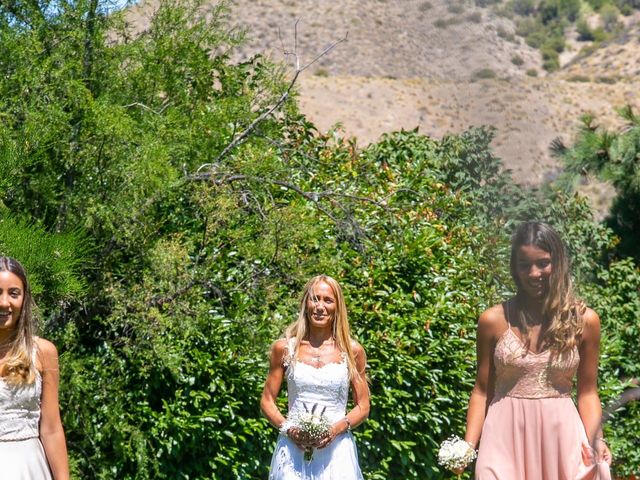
458 471
300 438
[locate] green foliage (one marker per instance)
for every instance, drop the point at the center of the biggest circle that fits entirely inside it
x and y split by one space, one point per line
517 60
483 74
524 7
552 10
613 156
609 17
585 34
196 259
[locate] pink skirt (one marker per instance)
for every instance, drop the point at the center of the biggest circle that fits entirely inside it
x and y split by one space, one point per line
536 439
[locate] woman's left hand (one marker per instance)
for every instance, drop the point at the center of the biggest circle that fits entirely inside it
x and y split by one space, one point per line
329 437
603 453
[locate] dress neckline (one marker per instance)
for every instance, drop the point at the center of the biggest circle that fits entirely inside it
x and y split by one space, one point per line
522 344
341 362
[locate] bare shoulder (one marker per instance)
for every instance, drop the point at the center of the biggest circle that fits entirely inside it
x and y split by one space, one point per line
356 348
47 354
591 322
47 349
493 319
279 347
590 318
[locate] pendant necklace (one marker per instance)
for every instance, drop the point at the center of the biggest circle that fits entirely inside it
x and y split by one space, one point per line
315 355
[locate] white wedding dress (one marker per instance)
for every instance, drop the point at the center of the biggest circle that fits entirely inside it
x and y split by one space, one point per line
326 386
21 454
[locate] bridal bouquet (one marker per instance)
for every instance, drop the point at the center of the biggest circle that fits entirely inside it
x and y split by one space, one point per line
456 453
312 423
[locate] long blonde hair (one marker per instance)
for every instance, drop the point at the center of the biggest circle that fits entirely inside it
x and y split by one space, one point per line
561 310
20 367
341 331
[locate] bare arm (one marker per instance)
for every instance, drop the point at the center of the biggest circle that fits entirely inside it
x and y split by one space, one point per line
51 431
273 383
360 391
589 405
488 325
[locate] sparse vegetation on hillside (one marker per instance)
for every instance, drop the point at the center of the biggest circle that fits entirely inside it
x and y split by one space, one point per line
542 23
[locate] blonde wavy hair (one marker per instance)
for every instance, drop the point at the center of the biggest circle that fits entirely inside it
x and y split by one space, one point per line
562 311
341 331
20 368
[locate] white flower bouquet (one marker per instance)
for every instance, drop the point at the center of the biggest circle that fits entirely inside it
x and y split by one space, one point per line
456 453
313 424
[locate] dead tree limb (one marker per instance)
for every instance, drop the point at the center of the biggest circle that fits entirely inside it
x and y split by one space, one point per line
298 69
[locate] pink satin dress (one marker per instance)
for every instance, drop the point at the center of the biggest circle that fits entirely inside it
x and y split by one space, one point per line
533 430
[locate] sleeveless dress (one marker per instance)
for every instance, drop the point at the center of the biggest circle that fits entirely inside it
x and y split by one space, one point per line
21 454
327 386
532 430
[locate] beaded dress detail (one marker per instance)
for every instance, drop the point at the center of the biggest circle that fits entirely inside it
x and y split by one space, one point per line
532 430
21 454
19 410
327 386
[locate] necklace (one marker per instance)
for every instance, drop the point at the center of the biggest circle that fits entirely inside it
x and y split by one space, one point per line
315 351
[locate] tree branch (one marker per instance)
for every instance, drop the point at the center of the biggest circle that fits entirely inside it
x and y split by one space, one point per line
243 136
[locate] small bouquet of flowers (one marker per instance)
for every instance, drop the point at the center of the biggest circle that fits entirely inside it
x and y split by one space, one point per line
312 423
456 453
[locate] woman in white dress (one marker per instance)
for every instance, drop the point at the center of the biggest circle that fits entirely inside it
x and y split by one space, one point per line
320 361
32 442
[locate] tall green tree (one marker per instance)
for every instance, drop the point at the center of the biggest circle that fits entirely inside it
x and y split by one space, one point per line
613 156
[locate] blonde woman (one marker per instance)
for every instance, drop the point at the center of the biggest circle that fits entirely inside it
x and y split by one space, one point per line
530 348
32 443
320 361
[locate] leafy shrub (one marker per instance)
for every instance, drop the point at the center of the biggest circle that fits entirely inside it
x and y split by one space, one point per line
483 74
475 17
517 60
584 31
579 78
524 7
609 17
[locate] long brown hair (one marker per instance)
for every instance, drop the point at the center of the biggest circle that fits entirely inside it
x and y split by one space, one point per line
561 311
20 367
341 331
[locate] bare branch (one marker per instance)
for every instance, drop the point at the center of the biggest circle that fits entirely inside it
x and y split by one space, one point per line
165 104
243 137
325 52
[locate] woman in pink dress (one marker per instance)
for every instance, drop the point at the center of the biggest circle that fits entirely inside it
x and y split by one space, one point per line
529 349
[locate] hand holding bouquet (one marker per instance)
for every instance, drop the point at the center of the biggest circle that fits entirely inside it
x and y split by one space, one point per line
313 425
455 453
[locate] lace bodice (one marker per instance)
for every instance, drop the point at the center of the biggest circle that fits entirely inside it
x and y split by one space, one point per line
524 374
20 410
327 386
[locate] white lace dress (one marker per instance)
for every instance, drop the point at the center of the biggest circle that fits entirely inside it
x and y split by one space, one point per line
327 386
21 454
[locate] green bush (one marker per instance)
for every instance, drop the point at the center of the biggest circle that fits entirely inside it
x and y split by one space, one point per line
609 17
483 74
517 60
584 31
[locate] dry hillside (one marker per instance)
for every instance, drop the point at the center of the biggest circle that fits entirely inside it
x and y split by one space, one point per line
424 63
